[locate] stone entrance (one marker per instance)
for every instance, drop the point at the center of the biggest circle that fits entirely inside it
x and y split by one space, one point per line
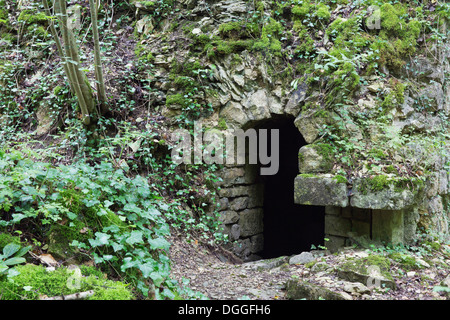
259 210
289 228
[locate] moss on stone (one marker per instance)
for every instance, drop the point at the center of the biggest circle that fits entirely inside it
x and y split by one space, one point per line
175 99
396 96
378 183
340 179
363 265
301 11
31 16
34 281
406 262
322 12
270 35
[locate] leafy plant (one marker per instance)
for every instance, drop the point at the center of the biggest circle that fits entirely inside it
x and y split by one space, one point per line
11 255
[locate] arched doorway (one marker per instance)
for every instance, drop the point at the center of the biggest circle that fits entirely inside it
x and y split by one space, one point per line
289 228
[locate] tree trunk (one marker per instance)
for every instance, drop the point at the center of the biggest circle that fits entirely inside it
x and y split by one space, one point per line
101 92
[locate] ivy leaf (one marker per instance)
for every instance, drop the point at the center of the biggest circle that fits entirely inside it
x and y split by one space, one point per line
147 269
117 246
100 240
128 263
135 237
131 207
159 243
150 213
156 278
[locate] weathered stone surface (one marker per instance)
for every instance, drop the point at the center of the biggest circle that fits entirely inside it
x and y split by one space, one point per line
302 258
223 204
360 228
334 243
239 203
304 290
320 191
235 231
356 288
242 247
228 217
366 279
257 243
145 25
389 198
234 113
266 264
44 117
251 222
256 196
257 105
337 226
421 68
309 125
444 181
388 226
232 176
434 95
233 192
312 161
297 98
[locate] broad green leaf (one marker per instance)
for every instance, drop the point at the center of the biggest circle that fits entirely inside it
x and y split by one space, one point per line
23 251
101 239
159 243
3 267
116 246
147 269
131 207
10 249
14 260
128 263
135 237
156 278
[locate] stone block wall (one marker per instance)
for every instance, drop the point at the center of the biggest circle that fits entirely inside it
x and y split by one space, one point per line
241 195
346 226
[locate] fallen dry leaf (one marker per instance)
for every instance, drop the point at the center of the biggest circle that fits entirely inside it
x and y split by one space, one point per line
48 259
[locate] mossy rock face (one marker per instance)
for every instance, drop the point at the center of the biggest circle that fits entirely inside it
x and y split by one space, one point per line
371 270
320 190
316 158
384 193
61 236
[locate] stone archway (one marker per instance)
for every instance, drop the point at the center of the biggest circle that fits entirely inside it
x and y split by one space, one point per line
288 228
259 211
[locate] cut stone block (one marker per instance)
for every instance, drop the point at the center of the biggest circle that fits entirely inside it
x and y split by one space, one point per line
388 198
320 191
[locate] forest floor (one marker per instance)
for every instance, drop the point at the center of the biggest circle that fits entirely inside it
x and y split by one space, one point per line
211 273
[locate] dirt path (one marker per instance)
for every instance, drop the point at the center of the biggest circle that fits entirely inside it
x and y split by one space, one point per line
209 273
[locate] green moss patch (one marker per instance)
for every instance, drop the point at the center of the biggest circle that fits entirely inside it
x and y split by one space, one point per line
34 282
364 265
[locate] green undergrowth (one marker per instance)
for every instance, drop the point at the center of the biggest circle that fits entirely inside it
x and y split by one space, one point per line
91 212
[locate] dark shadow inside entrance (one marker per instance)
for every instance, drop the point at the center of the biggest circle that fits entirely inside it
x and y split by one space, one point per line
289 228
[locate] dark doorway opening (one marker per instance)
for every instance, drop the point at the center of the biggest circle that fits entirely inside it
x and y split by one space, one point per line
289 228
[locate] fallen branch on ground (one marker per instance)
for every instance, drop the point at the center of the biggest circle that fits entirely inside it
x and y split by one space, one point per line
73 296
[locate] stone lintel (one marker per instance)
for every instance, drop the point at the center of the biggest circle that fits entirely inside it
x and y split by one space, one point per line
320 190
388 198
